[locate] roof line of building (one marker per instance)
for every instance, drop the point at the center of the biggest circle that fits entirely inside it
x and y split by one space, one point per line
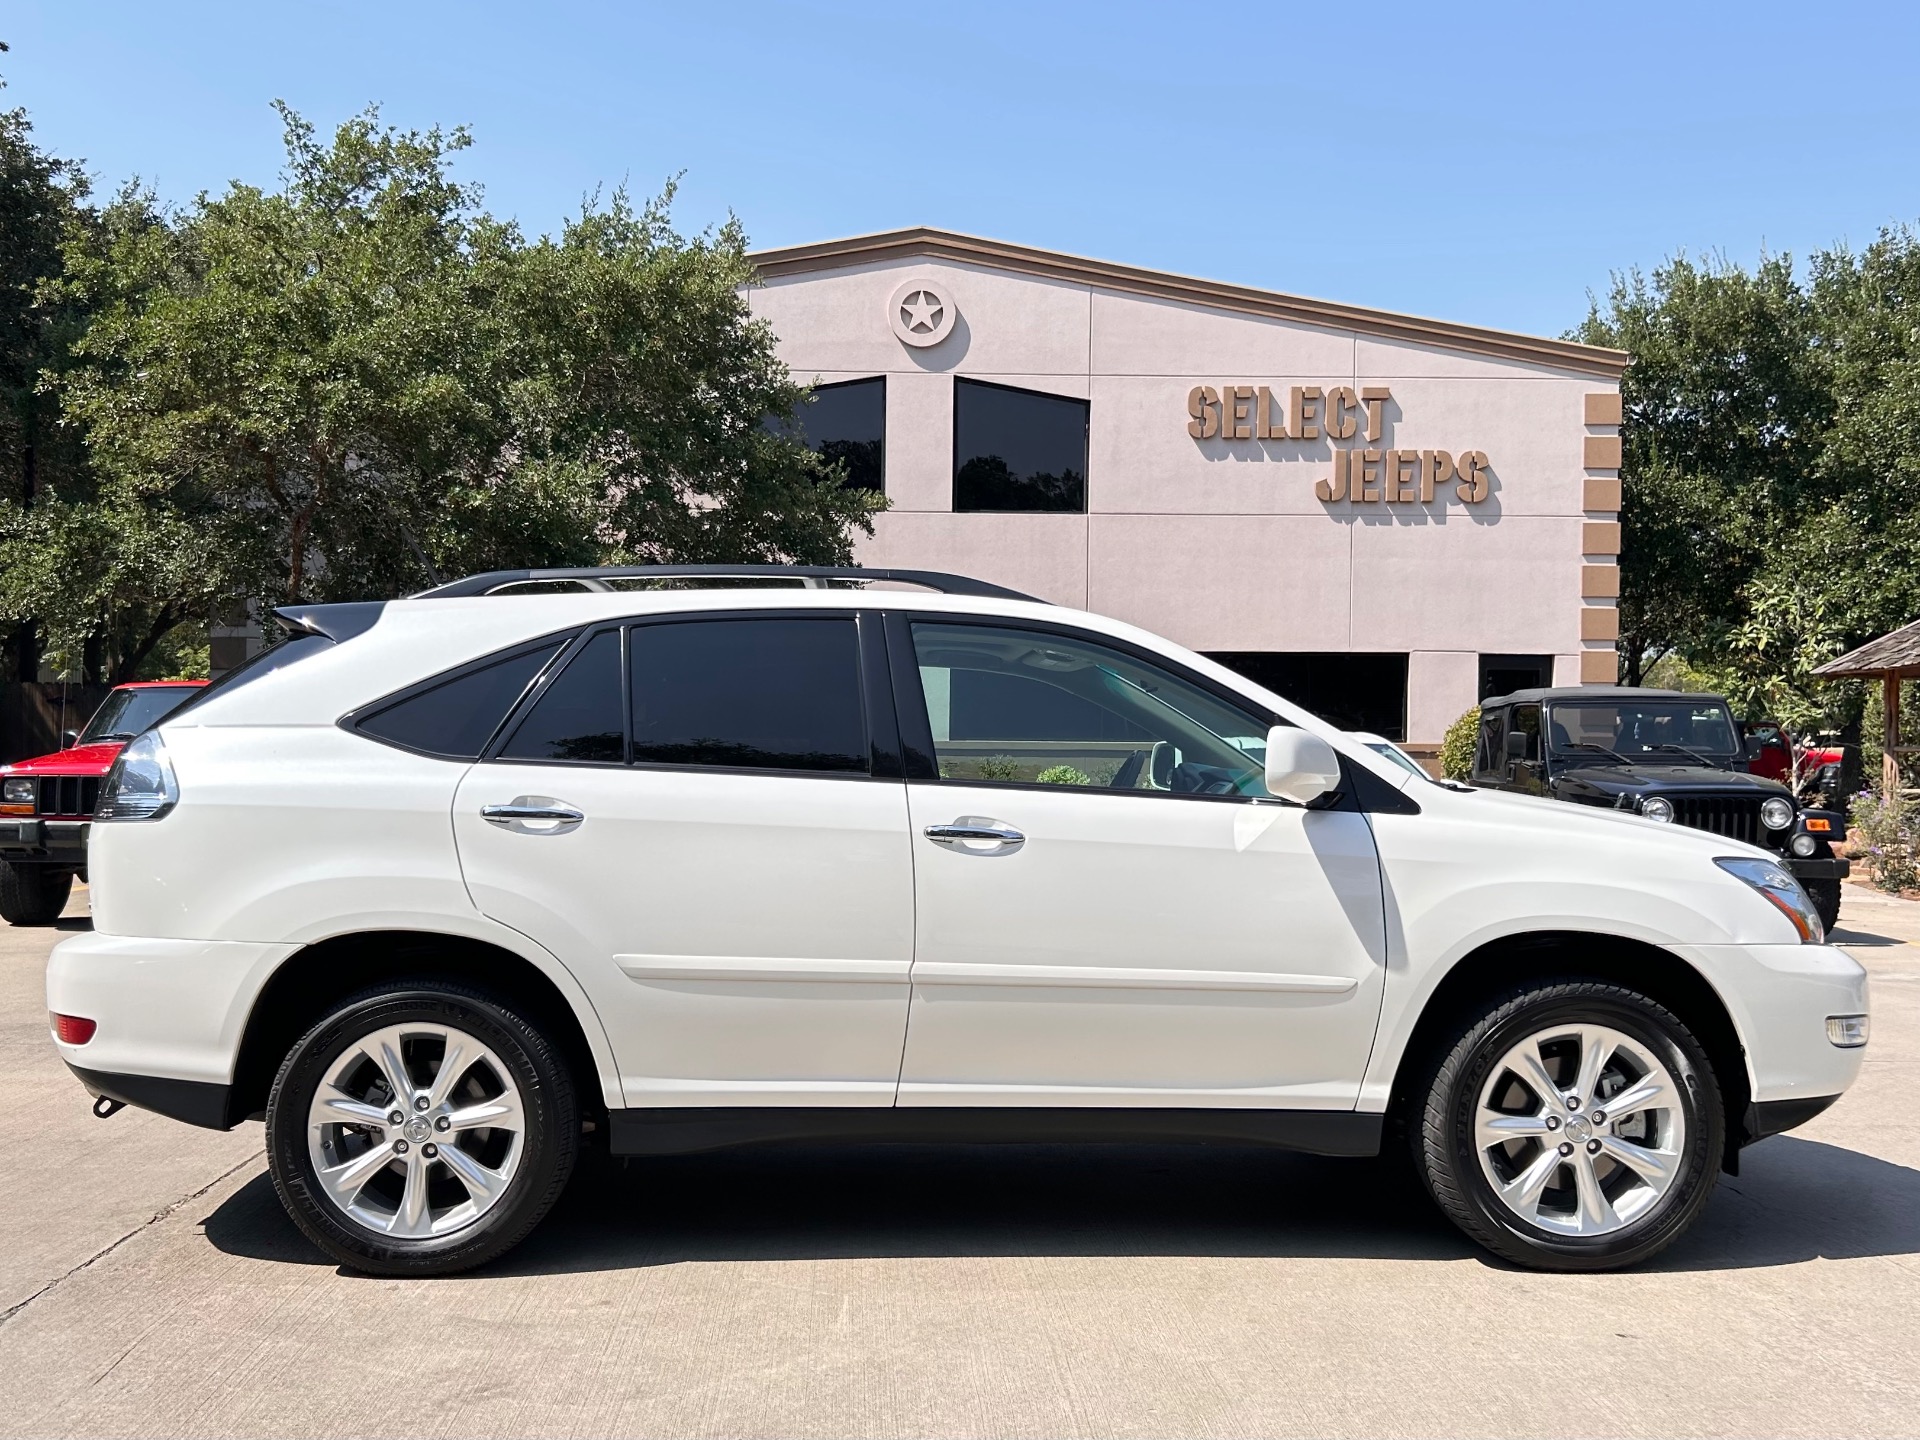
924 241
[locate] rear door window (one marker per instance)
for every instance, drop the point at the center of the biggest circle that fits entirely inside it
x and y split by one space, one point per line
454 718
578 717
764 693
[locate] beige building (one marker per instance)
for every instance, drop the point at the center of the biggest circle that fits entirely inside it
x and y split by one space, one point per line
1383 517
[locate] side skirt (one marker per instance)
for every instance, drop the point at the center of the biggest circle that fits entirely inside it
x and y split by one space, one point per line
675 1131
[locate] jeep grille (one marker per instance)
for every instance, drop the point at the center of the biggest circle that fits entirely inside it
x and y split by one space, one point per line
67 795
1735 816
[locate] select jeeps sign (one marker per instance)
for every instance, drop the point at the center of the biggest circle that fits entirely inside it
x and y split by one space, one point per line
1365 473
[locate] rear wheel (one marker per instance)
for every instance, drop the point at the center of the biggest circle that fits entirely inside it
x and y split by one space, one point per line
421 1129
33 894
1572 1126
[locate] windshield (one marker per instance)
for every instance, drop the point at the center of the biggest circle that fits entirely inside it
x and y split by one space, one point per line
128 712
1398 756
1637 729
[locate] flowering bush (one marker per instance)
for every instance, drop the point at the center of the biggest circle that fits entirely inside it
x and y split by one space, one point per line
1889 828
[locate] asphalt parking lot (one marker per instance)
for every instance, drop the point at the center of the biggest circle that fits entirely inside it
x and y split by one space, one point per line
150 1285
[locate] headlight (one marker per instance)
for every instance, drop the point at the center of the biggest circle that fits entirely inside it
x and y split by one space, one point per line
1804 845
1781 891
18 792
1657 809
1776 814
140 786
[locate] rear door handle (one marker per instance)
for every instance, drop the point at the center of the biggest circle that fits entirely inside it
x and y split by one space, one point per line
534 815
973 830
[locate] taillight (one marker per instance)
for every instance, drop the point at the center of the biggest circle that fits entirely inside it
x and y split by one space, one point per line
140 786
73 1029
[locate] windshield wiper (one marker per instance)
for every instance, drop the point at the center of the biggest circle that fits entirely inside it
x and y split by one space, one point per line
109 735
1600 749
1669 745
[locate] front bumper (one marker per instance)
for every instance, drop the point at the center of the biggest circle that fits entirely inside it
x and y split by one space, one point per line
1818 867
1779 997
170 1017
44 842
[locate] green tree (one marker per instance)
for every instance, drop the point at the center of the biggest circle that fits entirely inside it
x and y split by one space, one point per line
359 382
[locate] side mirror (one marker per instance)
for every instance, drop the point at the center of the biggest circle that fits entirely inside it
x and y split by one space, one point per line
1300 766
69 738
1755 745
1517 746
1160 765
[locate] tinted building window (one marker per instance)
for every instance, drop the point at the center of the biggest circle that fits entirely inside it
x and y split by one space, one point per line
1353 690
457 717
1018 449
847 422
775 694
578 718
1504 674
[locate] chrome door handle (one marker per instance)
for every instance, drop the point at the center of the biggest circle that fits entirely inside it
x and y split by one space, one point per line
968 828
560 815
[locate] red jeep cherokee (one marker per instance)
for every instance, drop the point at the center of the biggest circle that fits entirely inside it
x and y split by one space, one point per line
46 802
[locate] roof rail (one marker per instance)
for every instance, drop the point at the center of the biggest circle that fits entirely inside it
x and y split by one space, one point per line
811 577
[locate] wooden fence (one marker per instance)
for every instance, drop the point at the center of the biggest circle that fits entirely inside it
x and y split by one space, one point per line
33 716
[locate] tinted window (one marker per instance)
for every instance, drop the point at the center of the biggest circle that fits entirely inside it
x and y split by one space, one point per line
578 718
126 713
1009 706
1525 720
457 717
275 657
1017 449
848 423
776 694
1357 690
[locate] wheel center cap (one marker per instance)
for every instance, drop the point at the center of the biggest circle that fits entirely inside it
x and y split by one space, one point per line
419 1129
1579 1129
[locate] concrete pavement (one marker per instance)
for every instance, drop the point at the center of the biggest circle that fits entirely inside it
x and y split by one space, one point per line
152 1286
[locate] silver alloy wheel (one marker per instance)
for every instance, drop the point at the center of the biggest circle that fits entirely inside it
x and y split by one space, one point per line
1580 1129
416 1131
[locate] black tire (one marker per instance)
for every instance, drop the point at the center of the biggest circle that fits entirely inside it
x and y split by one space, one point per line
549 1141
33 894
1443 1143
1825 895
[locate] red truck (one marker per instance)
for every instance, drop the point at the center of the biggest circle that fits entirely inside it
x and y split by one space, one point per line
46 803
1799 764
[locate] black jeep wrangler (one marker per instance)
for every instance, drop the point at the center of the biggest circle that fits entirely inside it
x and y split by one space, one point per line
1663 755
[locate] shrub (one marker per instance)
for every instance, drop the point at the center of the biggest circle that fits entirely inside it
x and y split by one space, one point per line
1889 828
1063 775
998 767
1456 750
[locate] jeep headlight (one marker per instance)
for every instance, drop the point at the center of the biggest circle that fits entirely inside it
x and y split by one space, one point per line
18 792
140 786
1780 890
1777 813
1656 808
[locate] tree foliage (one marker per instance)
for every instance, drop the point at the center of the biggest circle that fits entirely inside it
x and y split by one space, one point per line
358 382
1771 514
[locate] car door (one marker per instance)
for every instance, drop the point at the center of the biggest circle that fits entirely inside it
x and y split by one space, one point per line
1110 908
703 818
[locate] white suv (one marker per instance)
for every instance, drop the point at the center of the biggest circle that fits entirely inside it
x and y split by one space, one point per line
448 888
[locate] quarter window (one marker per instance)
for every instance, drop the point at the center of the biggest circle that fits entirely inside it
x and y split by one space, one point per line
1018 450
764 693
579 716
1011 706
455 719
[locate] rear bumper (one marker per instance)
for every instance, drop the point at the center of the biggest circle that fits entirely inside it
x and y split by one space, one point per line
197 1102
44 842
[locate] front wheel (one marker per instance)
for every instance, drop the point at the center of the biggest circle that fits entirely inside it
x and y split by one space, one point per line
421 1129
1572 1126
1825 895
33 894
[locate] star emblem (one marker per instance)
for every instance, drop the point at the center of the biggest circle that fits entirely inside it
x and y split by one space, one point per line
921 312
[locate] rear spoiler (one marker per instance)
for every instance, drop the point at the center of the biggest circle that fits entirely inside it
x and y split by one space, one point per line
332 622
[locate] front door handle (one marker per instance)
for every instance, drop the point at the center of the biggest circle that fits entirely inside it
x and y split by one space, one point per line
534 815
975 830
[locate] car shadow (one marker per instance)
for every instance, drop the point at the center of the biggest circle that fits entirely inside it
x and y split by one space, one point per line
1797 1200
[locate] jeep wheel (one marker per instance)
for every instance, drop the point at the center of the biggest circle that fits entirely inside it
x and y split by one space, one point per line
33 894
1825 895
1572 1126
421 1129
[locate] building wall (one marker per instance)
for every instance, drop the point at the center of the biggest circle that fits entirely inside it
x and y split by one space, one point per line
1223 545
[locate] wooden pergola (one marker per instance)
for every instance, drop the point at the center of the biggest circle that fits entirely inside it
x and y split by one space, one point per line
1890 659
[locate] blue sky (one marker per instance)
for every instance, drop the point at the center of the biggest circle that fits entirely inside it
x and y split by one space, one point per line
1485 164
